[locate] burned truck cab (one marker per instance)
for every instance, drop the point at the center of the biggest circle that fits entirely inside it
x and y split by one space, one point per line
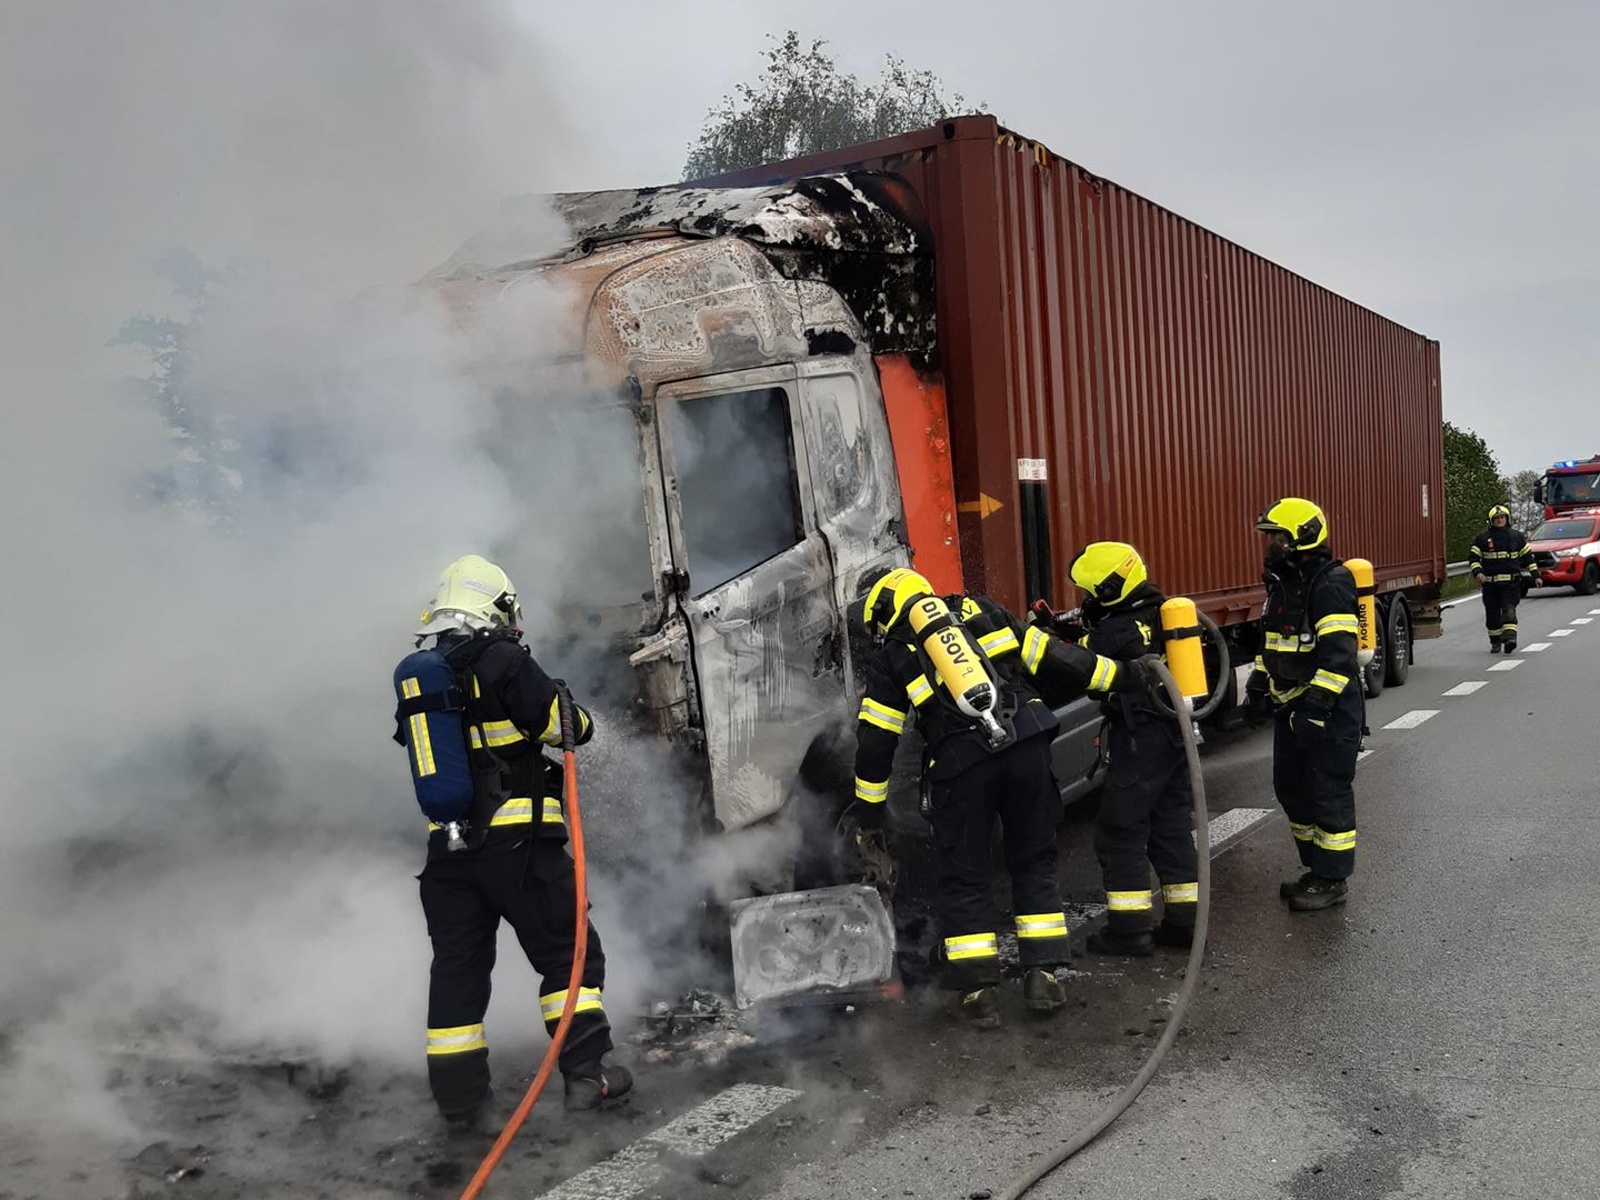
743 326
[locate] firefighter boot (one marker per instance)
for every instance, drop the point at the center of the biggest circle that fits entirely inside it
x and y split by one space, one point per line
591 1084
1124 943
1042 991
1289 886
1174 933
1318 893
981 1008
1509 645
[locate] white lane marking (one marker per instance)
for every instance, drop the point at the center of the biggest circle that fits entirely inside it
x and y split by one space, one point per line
1583 620
1466 689
1594 612
1412 719
1227 828
1461 600
1560 633
699 1131
1536 647
1363 754
1510 664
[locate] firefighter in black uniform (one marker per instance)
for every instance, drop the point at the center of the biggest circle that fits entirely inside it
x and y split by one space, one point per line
1307 674
1502 563
1146 802
514 864
976 768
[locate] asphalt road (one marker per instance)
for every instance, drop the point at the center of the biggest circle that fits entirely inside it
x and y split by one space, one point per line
1437 1037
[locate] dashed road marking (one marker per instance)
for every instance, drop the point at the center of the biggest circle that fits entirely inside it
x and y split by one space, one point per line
1594 612
1227 828
1583 620
1536 647
1560 633
1466 689
1363 754
1510 664
699 1131
1412 719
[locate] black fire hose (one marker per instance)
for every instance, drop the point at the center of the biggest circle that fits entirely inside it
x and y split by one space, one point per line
1124 1099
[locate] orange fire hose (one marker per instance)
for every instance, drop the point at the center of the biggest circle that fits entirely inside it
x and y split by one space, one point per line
580 950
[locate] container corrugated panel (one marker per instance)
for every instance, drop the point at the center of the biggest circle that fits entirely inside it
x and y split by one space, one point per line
1169 382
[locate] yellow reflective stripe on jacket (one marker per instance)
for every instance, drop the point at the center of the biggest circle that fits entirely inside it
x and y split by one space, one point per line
1338 623
1034 643
516 811
919 691
881 715
1302 833
872 793
1181 893
1001 641
1334 841
971 945
1129 901
552 811
551 1003
1042 925
501 733
1283 696
1105 674
1288 643
551 734
456 1039
1330 680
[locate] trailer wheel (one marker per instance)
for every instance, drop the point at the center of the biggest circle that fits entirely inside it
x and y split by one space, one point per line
1590 583
1374 674
1396 648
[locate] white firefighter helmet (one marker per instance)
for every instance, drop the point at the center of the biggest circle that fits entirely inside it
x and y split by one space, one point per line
473 594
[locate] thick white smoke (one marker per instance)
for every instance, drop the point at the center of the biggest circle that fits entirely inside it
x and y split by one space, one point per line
207 831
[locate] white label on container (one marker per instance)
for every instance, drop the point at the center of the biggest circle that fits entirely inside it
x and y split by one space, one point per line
1424 501
1032 469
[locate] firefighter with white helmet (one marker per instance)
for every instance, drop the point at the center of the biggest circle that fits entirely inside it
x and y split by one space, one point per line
1502 563
967 674
509 860
1307 674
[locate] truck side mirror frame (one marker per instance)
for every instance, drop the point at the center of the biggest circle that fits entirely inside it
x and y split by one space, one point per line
1538 492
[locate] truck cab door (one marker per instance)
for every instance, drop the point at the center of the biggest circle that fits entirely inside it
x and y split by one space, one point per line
753 579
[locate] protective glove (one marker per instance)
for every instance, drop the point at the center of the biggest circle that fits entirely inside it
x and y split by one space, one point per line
1139 675
870 817
1258 697
1316 703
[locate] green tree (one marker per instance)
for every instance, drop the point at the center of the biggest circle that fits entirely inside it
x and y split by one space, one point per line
802 103
1525 513
1472 484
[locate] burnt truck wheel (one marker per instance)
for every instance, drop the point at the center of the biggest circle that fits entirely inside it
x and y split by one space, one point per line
1590 583
1396 648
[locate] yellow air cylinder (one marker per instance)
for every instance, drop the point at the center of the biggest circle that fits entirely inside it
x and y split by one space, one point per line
956 659
1366 608
1181 624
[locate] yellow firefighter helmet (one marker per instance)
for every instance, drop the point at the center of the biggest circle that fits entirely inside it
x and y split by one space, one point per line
885 594
1108 571
1301 521
473 593
1499 510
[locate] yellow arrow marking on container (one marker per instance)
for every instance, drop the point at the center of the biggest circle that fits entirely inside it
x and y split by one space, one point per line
985 506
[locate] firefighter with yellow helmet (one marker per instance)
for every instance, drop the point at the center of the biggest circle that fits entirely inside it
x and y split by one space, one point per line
507 860
1146 801
1307 675
967 674
1502 563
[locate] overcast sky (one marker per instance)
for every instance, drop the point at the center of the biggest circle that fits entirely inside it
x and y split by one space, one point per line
1437 161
